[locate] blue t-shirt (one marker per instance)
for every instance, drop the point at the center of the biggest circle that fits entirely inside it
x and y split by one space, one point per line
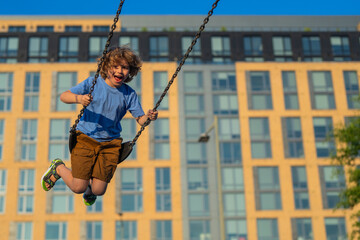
101 119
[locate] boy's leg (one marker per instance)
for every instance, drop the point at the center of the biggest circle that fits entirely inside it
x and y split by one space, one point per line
58 170
75 184
98 187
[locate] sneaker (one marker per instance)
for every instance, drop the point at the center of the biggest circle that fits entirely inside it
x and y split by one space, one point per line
89 199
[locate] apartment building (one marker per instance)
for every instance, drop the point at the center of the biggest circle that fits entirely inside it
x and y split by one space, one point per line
239 151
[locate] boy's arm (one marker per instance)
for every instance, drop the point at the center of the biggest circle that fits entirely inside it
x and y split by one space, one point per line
150 114
69 97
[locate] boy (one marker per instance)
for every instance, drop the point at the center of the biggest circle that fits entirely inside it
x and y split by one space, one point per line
95 155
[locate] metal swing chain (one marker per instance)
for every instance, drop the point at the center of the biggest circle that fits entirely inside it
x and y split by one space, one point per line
101 61
186 55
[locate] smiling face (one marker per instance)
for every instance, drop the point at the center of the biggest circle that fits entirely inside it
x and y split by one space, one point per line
117 74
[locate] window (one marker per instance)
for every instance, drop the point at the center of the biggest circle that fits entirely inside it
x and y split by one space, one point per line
311 49
225 100
234 204
16 29
62 198
196 153
198 204
229 128
163 189
45 29
68 49
223 81
259 90
236 229
301 229
128 132
195 54
200 229
136 85
160 82
38 49
194 125
232 179
194 104
229 140
9 49
292 137
197 179
321 90
24 231
322 130
340 48
26 191
193 82
335 228
56 231
101 29
352 89
64 81
2 127
267 229
253 49
267 188
290 90
131 190
194 97
94 230
260 138
58 142
72 28
126 230
159 49
300 186
332 184
161 143
31 98
163 230
3 184
194 128
130 41
6 87
96 46
225 104
220 49
282 48
28 139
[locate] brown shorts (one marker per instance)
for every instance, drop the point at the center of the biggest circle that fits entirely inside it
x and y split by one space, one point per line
93 159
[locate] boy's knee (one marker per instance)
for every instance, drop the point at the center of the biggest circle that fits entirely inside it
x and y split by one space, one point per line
98 192
79 189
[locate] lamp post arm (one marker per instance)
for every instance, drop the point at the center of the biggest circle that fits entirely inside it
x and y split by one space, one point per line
210 129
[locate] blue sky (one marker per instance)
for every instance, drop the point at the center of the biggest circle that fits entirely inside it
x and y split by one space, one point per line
237 7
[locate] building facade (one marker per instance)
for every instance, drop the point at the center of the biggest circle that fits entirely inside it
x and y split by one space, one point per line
263 92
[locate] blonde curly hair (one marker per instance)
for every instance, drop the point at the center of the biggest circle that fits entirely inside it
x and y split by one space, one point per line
114 58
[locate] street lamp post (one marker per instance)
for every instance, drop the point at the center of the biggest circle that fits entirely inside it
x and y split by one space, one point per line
204 138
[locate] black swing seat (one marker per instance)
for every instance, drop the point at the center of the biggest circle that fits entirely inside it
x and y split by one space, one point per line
126 149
